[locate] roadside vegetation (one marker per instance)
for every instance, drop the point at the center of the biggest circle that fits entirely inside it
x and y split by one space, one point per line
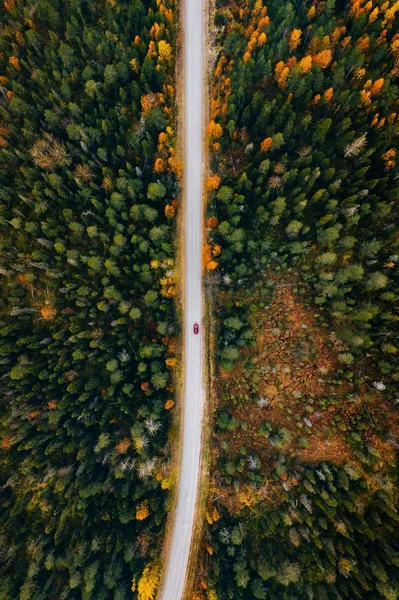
302 269
89 180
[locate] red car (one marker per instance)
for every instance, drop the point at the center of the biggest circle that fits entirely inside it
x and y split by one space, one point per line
196 328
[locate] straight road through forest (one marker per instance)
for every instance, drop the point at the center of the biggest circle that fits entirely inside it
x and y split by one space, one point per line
194 394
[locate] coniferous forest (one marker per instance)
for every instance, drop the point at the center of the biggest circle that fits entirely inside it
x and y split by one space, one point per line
88 180
301 279
302 272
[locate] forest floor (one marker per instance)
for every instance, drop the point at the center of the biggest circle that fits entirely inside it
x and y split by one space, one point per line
286 380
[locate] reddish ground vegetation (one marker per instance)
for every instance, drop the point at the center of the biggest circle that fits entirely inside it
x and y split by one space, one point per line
288 379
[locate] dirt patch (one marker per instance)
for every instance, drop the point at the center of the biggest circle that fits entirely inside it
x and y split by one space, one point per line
284 404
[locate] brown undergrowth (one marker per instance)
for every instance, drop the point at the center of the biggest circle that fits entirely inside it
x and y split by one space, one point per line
287 399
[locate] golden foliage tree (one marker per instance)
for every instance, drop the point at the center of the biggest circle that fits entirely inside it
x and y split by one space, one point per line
142 511
306 64
294 39
323 58
328 94
213 182
165 51
148 582
215 130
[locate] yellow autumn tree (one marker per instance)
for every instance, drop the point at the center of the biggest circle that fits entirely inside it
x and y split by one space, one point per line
306 63
390 13
312 12
279 68
365 97
322 58
282 78
215 515
294 39
148 582
151 52
363 43
373 15
359 74
215 130
165 50
246 57
107 184
134 63
262 39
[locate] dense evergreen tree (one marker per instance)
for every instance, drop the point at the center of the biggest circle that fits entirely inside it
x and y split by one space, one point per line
303 198
87 286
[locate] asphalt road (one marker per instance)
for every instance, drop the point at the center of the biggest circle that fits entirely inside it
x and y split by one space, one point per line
194 394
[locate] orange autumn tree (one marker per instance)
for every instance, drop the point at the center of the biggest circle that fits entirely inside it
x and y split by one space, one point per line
213 182
323 58
142 511
377 86
215 130
48 313
390 159
123 446
207 258
170 211
328 94
212 265
14 61
159 165
281 72
305 64
266 144
212 222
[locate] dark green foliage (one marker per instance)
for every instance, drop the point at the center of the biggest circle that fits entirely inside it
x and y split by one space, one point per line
323 199
308 196
84 321
330 536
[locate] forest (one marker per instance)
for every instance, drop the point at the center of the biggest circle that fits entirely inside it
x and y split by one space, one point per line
89 179
302 274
